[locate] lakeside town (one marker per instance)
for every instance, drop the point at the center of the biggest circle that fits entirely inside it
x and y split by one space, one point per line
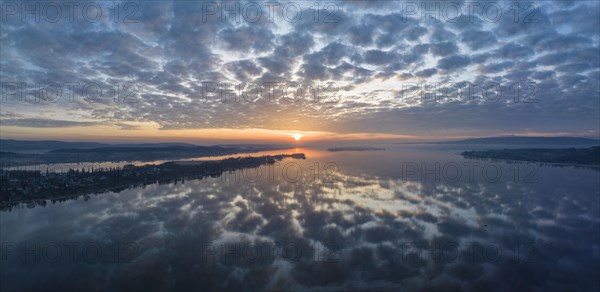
34 187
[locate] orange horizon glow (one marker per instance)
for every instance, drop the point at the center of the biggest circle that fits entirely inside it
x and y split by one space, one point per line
152 133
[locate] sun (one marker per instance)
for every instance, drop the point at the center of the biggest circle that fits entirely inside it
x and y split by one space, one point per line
297 137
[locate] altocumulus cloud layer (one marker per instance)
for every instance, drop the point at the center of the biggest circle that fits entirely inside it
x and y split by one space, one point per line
376 65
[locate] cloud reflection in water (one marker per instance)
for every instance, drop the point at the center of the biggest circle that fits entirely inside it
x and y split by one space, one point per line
352 230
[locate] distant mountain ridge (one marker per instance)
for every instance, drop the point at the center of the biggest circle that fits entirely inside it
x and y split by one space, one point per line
526 140
26 146
145 149
9 145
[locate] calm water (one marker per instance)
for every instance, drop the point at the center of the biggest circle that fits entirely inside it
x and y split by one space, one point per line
410 218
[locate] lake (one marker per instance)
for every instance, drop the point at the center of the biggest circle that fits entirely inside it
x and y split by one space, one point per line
413 217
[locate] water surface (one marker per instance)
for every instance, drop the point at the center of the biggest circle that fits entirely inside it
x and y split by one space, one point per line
410 218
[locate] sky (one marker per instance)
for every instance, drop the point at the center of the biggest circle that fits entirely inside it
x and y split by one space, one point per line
251 71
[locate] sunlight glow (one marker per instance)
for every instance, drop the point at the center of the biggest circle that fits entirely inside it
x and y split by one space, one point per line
297 137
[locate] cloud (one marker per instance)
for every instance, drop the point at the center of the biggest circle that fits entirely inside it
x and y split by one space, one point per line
171 50
125 126
254 38
45 123
477 39
453 62
513 51
377 57
427 72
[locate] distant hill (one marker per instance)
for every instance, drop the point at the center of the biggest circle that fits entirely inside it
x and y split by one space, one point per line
144 149
152 145
526 140
23 146
8 145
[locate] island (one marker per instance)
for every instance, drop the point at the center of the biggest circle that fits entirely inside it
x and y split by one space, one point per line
36 187
567 156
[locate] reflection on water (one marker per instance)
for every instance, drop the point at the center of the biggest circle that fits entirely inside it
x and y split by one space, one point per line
364 223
